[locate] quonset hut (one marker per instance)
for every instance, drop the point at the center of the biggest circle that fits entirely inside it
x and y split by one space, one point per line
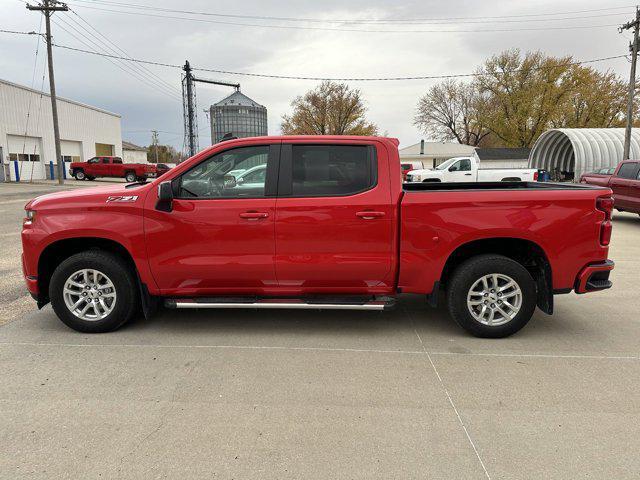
574 151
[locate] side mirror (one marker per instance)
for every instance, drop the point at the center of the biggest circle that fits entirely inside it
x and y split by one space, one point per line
165 197
453 168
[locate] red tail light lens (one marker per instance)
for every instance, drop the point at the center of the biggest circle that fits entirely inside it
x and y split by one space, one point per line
605 204
535 176
605 233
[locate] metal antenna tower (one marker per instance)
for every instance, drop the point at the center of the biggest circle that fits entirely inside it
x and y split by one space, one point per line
189 106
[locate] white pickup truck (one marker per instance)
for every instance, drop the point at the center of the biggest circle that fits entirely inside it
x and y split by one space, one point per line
467 169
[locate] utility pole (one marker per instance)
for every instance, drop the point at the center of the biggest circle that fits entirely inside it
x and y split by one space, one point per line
632 81
47 8
154 141
189 110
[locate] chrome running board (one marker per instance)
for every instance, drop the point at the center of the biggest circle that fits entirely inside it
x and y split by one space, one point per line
284 303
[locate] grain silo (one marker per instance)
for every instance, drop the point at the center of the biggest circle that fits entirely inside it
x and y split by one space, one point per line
239 116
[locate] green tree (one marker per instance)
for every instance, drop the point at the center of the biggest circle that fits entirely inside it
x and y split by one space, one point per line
166 154
599 100
523 94
514 98
329 109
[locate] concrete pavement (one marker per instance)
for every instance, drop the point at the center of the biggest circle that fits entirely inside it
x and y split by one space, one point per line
291 394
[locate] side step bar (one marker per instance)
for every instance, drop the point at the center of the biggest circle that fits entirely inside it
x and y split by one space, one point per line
382 303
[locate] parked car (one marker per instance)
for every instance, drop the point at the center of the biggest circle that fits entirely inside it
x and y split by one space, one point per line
330 226
161 169
110 167
467 169
625 184
407 166
598 177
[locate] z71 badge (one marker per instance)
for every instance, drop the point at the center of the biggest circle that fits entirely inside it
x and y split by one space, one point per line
122 198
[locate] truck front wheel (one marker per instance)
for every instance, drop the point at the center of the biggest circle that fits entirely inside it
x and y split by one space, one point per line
491 296
130 177
79 175
93 292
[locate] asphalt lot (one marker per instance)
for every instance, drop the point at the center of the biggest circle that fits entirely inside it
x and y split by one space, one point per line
292 394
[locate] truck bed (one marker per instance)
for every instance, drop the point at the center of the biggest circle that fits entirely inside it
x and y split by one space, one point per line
445 186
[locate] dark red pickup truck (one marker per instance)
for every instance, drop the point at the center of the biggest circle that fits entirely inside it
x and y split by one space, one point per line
111 167
624 182
319 222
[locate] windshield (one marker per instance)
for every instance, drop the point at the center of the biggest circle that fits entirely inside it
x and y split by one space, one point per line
447 164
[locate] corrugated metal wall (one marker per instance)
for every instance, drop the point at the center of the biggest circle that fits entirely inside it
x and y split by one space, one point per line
23 109
581 150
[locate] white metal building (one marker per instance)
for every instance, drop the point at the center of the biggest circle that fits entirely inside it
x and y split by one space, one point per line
26 132
132 153
574 151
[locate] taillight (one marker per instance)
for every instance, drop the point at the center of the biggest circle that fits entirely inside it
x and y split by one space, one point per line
605 205
535 176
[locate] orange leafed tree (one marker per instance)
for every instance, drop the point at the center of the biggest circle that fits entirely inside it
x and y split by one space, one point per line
329 109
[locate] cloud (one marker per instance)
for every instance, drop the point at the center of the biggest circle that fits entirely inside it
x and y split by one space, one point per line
391 105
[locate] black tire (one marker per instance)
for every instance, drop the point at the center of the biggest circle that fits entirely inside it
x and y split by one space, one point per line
472 270
79 175
511 179
119 273
130 177
432 180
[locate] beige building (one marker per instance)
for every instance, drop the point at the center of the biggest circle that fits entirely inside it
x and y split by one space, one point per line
431 154
132 153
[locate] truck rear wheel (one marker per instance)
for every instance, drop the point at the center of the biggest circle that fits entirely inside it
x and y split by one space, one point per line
491 296
130 177
93 292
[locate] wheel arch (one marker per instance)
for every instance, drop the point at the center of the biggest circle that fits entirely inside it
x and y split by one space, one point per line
526 252
58 251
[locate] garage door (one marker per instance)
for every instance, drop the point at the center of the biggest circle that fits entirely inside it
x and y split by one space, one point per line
71 150
27 151
104 149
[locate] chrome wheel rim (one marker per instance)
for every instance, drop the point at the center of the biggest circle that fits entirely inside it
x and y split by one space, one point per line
494 299
89 294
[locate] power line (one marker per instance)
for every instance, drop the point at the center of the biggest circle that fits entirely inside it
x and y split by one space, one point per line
113 59
345 79
356 21
132 69
360 30
116 48
16 32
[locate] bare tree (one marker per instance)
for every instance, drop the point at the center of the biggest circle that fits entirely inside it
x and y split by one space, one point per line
329 109
453 110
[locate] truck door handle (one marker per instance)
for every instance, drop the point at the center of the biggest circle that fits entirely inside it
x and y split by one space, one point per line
468 174
369 215
254 215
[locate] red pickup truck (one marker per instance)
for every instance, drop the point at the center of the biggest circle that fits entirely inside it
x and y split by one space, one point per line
624 182
111 167
325 223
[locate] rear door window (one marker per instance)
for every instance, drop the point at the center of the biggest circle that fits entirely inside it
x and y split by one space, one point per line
332 170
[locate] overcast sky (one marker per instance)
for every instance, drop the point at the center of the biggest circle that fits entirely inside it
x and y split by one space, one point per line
312 52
